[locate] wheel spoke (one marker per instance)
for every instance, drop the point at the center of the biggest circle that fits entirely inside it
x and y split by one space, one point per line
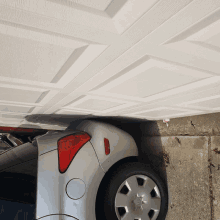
128 216
145 215
132 183
149 184
156 213
157 191
121 200
155 203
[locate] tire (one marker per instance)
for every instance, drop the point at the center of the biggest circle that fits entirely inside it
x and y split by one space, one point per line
132 191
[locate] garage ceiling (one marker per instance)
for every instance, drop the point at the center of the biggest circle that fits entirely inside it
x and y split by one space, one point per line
150 59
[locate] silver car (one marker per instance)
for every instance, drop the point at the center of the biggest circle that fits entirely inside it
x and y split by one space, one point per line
90 172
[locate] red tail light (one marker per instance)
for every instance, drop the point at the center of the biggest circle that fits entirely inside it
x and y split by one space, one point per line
68 147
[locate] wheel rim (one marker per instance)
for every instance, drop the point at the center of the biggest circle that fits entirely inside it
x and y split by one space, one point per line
138 198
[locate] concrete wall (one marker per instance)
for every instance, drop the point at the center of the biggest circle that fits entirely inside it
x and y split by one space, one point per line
190 147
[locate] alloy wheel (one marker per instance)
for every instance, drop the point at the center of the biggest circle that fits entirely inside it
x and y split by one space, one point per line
138 198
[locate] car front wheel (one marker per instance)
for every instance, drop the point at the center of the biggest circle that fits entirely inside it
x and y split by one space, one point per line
132 192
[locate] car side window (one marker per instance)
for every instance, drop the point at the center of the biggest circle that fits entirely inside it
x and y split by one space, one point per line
17 196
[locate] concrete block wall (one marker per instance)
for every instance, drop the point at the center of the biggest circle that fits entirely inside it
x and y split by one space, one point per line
190 147
215 175
186 160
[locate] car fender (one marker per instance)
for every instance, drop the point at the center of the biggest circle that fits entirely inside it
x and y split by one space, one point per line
53 196
122 144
